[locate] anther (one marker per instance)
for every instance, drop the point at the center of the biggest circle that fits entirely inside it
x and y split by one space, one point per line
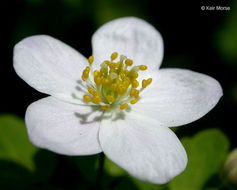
149 81
87 98
114 56
126 83
85 73
129 62
144 83
133 101
134 75
90 60
110 99
83 78
124 106
97 80
134 93
96 73
105 81
125 72
143 67
105 108
121 89
135 83
96 99
91 91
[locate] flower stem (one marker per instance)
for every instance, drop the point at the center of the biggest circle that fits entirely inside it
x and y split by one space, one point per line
100 171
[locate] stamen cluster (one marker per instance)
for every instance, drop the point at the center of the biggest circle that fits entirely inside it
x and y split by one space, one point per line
114 84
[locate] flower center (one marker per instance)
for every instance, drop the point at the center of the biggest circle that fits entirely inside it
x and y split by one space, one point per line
114 85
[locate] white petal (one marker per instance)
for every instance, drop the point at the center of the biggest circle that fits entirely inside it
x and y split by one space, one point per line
131 37
147 151
177 96
50 66
63 128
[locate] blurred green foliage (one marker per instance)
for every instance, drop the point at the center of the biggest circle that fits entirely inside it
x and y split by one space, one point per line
225 38
21 163
14 142
206 152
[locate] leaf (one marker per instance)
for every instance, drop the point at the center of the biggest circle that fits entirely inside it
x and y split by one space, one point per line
148 186
14 142
113 169
206 152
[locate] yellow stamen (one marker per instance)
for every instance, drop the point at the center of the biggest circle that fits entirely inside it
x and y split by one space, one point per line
110 99
96 73
85 74
91 91
144 83
105 81
134 93
149 81
126 83
129 62
113 82
133 101
143 67
87 98
134 75
97 80
125 72
105 108
97 94
103 71
114 56
121 89
83 78
90 60
96 99
135 84
124 106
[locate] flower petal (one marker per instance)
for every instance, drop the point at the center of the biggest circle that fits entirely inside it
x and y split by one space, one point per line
177 96
63 128
131 37
50 66
148 151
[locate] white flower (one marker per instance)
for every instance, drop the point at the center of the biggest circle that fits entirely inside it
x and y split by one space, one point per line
135 136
